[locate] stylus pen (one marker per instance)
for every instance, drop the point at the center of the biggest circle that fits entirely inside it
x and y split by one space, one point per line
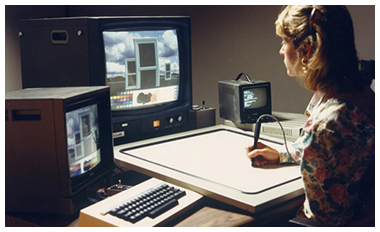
256 138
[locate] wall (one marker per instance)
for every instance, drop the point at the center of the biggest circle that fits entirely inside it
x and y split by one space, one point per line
226 40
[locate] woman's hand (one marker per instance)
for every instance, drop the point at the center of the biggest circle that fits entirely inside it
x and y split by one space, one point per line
262 154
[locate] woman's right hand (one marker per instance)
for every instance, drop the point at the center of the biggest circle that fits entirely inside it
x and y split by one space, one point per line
262 154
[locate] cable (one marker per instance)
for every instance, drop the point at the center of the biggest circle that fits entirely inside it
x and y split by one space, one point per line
257 133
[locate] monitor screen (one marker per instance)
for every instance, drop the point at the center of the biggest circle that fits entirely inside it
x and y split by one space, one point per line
142 67
255 98
82 128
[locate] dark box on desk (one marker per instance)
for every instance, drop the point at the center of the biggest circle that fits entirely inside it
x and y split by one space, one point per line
202 117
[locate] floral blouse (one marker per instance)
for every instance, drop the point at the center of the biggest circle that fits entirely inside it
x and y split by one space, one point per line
336 146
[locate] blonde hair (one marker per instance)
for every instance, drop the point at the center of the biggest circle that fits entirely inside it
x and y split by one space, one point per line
333 62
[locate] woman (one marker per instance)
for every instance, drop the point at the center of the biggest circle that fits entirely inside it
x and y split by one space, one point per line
337 143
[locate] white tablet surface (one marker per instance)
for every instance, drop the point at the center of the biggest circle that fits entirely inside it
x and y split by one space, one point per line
219 157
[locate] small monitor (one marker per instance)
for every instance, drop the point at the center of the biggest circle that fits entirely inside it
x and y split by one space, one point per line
244 101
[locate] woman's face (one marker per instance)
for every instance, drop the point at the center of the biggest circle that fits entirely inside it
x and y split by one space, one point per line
290 58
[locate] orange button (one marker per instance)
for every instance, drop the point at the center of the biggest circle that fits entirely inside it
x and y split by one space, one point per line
156 123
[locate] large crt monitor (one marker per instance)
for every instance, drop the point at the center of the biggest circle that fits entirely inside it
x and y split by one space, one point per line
146 62
58 148
244 101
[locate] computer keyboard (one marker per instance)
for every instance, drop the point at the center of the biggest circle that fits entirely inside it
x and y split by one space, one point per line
151 203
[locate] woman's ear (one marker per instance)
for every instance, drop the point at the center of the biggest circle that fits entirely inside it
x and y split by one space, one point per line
306 51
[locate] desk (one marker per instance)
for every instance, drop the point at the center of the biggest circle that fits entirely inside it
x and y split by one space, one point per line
212 211
217 214
209 213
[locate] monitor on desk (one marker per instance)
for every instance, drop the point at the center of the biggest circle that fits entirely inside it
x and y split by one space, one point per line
146 62
58 149
244 101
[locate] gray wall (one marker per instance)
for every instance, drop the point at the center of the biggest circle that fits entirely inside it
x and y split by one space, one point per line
226 40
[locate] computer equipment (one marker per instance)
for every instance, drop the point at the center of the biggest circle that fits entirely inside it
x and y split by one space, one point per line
256 134
146 62
292 124
202 116
256 138
244 101
58 148
151 203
